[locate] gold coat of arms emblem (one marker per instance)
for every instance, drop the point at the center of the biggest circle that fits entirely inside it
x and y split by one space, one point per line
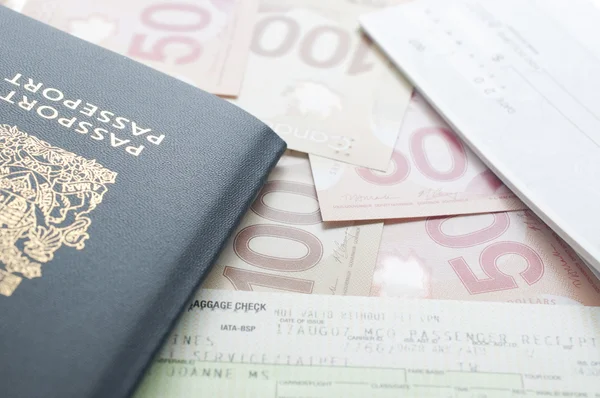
46 196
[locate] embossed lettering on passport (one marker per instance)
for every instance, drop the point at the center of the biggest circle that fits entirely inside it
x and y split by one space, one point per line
52 104
46 196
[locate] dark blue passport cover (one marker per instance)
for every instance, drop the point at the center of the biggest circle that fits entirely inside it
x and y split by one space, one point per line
118 187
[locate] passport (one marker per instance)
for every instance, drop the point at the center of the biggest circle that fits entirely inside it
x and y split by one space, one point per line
119 186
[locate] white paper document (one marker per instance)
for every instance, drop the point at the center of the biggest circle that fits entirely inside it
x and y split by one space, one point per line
519 81
251 344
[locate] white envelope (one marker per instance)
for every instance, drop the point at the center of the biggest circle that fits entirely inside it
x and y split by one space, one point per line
519 80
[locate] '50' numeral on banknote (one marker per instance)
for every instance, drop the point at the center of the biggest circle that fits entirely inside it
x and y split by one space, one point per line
488 259
158 51
402 166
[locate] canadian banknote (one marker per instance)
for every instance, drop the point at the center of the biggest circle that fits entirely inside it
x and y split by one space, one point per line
506 256
320 84
202 42
282 243
432 173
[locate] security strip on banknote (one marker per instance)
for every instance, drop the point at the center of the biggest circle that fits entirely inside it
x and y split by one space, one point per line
239 344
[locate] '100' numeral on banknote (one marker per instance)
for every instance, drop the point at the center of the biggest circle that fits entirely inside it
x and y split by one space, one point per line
305 45
243 279
324 88
282 243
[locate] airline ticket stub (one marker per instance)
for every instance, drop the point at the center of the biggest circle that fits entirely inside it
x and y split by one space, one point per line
249 344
